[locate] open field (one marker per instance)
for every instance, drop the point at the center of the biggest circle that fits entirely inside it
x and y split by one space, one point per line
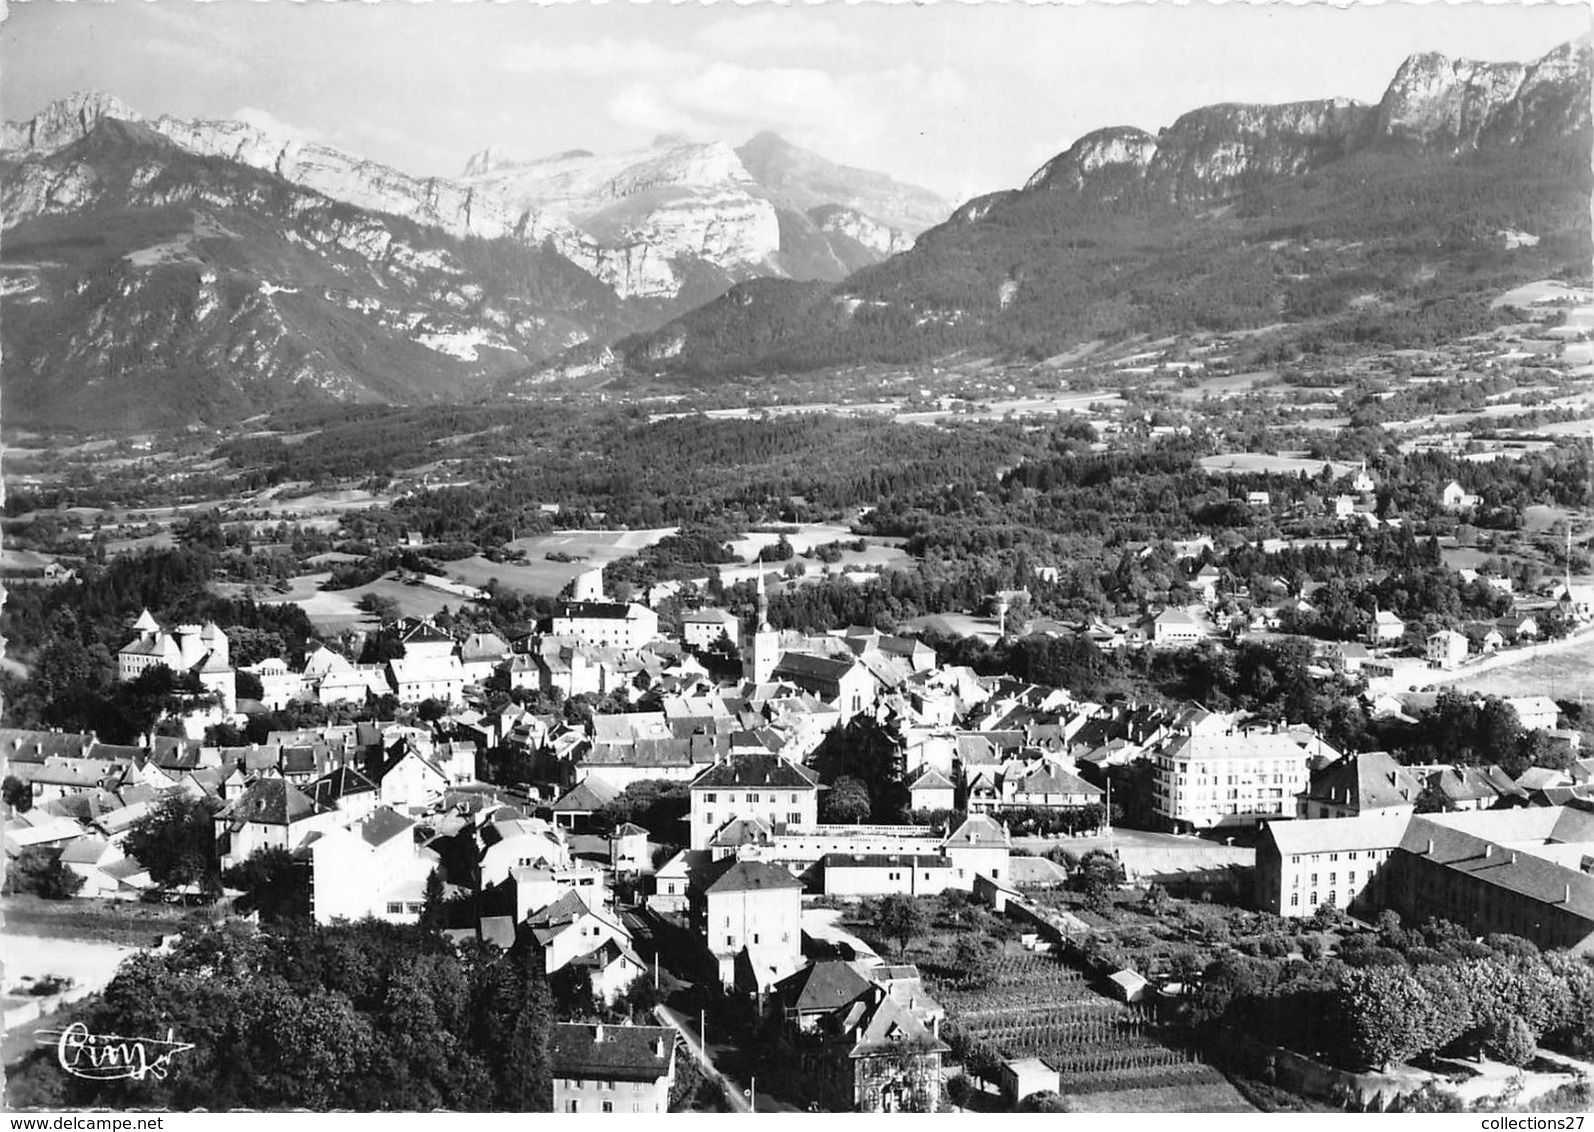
1278 465
541 576
1206 1091
1562 670
36 928
332 611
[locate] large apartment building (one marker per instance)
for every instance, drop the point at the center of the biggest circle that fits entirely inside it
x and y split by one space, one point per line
1235 778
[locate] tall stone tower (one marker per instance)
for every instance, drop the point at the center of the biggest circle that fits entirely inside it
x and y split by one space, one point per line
763 644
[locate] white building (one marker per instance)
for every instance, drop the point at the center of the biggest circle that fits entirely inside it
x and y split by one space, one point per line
370 868
1235 778
626 626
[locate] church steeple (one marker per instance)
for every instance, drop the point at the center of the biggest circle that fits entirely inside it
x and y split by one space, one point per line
763 646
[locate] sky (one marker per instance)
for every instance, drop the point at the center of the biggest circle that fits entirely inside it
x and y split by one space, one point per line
963 98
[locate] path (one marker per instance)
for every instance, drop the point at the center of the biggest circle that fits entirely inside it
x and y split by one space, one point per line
1504 658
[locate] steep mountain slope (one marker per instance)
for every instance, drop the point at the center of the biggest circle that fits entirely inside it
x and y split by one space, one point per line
1234 216
802 180
146 285
699 200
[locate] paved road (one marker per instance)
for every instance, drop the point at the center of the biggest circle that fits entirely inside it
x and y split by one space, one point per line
735 1089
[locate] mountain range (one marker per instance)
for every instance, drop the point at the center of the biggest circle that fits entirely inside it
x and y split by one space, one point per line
158 271
1349 222
155 269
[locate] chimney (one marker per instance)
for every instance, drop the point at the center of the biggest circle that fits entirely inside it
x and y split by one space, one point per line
658 1047
1512 859
1488 851
597 1035
1430 847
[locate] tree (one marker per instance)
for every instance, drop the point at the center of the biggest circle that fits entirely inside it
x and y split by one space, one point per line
1098 877
16 794
274 884
39 871
434 915
1047 1100
847 802
1510 1040
900 918
177 843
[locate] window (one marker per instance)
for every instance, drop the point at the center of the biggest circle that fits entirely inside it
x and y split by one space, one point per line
1295 900
755 937
572 1105
709 798
730 941
1314 878
1333 878
794 818
637 1087
794 799
395 908
1333 856
1314 899
608 1106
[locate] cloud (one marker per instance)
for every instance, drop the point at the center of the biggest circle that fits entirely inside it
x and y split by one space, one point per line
597 57
781 32
269 123
845 116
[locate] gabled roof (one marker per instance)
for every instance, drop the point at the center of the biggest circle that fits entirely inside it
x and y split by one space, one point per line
979 830
628 829
1371 780
383 825
930 779
1333 835
757 770
1479 845
424 632
799 664
885 1026
583 1051
1053 779
826 985
586 796
271 801
733 875
343 782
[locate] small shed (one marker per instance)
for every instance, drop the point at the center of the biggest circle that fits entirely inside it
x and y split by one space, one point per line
1127 985
628 849
1022 1076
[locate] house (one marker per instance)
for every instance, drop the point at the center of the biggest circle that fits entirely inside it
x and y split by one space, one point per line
405 776
840 680
1348 656
770 787
1387 628
931 790
1206 583
979 847
671 880
852 1045
1536 713
740 904
1518 626
345 790
570 928
1175 628
628 849
1343 862
1047 785
701 628
480 655
1455 498
1576 603
602 1068
575 807
371 867
622 625
522 843
1258 499
610 968
1359 785
93 858
270 814
1468 787
1484 638
419 678
1446 648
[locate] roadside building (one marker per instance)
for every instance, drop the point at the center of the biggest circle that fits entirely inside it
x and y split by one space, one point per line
1341 862
601 1068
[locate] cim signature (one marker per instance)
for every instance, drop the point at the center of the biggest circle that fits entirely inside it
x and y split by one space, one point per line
111 1057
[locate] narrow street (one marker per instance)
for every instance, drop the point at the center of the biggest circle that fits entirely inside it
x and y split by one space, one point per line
736 1090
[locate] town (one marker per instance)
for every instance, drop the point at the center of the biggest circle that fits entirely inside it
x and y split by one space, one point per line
614 560
824 840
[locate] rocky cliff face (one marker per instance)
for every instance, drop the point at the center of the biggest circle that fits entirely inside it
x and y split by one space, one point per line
145 284
1458 103
1443 104
800 179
